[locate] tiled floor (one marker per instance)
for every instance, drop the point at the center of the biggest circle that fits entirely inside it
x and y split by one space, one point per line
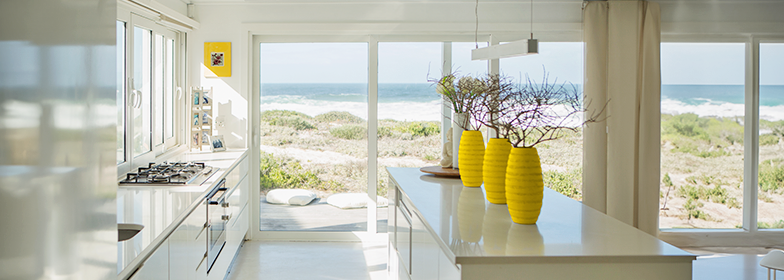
311 260
729 263
356 261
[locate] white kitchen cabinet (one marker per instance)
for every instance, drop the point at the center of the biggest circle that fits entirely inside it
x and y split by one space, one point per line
238 223
181 255
156 267
187 246
446 269
403 235
457 234
424 251
417 249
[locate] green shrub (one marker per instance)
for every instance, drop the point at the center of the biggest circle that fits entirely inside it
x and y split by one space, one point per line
296 120
768 139
279 173
667 180
285 173
566 183
384 131
422 129
777 224
733 203
688 191
338 116
704 137
689 125
771 175
349 132
692 210
716 194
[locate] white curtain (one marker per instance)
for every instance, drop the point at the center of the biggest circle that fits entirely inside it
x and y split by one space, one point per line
621 158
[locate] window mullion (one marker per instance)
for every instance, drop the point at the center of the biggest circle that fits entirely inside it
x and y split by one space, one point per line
372 130
751 136
446 111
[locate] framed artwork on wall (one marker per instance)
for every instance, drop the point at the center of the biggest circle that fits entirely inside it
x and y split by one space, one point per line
217 59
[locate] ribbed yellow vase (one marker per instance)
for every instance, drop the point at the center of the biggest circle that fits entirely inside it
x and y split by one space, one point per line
471 154
524 185
494 169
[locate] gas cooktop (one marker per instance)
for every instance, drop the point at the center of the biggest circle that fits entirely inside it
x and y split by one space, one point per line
166 173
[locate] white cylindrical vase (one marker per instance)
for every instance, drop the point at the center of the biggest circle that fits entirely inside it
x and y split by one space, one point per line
459 121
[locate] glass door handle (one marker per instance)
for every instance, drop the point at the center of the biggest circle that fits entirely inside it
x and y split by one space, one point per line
137 99
179 92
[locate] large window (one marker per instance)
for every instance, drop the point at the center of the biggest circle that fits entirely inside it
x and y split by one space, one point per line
121 93
771 147
461 59
702 126
314 121
147 75
141 115
561 63
409 110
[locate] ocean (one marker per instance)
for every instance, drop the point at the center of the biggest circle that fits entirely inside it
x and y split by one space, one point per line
420 102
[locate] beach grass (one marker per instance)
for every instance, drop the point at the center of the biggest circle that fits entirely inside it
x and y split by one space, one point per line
701 161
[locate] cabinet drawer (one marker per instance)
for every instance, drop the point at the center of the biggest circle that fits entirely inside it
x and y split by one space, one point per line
156 267
237 199
403 235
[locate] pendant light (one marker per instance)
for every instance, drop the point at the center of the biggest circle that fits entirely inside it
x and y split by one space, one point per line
516 48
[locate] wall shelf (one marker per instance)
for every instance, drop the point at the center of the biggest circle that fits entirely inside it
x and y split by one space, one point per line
201 117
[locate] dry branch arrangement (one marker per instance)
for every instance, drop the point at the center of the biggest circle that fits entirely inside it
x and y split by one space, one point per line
527 114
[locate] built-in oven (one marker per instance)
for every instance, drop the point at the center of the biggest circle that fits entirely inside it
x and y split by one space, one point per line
217 219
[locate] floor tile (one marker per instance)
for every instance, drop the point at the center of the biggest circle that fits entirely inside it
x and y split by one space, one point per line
310 260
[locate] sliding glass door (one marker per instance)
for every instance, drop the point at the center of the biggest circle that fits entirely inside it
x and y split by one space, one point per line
313 123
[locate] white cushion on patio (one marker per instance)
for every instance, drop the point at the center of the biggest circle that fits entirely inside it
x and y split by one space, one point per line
354 200
290 196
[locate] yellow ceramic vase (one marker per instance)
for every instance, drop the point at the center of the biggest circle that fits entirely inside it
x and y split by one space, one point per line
524 185
471 154
494 169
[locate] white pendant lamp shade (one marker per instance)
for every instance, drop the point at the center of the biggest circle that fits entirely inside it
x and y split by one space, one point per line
516 48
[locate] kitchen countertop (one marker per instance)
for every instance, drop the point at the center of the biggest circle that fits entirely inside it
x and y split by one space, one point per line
158 207
469 229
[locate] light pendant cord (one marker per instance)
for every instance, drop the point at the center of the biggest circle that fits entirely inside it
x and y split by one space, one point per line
476 32
532 19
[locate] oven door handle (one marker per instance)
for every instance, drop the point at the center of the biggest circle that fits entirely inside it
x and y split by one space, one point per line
219 189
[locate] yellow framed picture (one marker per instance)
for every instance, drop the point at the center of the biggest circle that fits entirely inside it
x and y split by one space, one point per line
217 59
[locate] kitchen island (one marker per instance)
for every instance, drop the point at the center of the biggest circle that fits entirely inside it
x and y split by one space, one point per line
174 217
439 229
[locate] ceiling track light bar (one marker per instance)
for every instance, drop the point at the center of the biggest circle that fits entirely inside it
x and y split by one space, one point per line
516 48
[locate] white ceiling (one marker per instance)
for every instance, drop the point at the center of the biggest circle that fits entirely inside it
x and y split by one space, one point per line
701 2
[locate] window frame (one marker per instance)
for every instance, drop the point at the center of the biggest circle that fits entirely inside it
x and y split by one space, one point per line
749 234
372 233
135 17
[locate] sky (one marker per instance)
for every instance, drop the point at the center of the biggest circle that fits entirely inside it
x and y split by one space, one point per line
681 63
